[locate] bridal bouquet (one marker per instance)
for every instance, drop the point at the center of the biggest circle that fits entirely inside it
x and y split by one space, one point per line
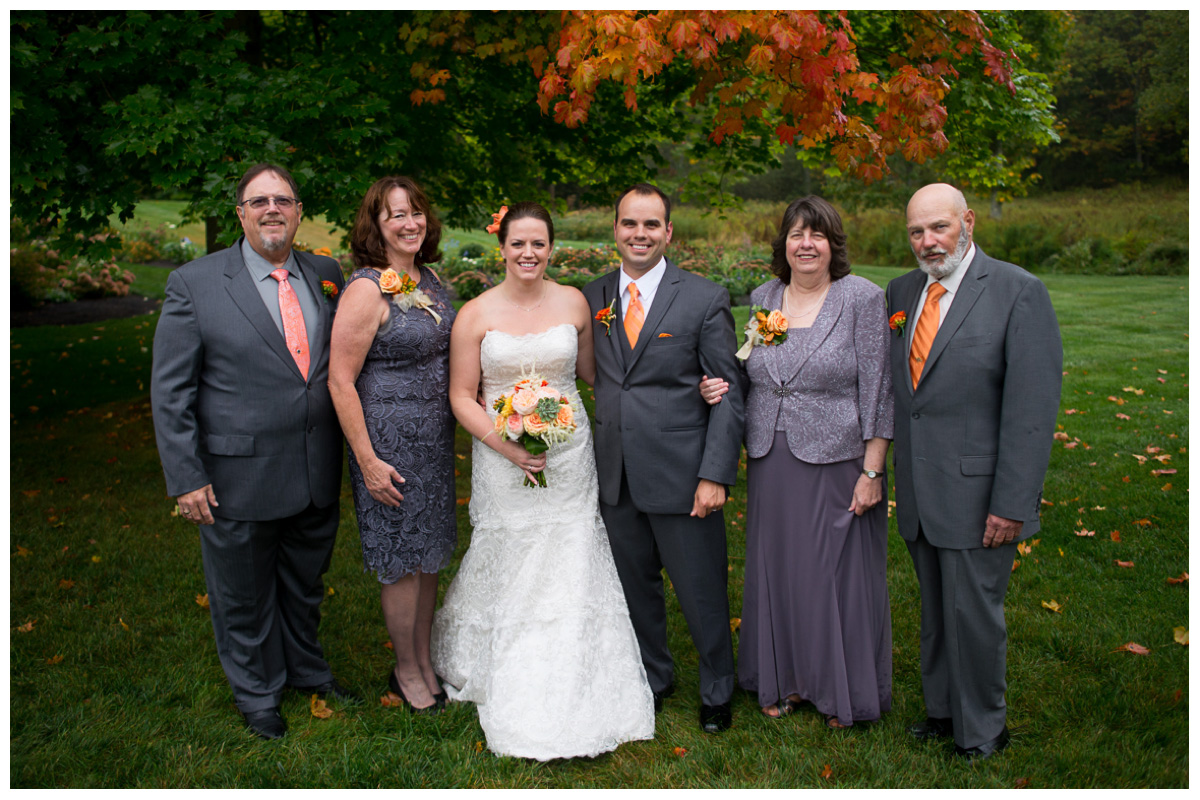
535 415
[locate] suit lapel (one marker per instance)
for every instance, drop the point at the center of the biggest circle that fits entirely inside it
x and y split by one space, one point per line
668 288
969 291
240 285
908 292
822 326
616 330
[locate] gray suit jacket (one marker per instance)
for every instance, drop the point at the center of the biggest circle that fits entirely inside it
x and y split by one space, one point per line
975 436
650 418
829 386
230 406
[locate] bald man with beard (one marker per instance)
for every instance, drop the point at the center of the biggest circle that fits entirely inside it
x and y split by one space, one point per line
977 371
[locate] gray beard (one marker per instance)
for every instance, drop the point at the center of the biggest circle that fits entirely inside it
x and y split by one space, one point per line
950 263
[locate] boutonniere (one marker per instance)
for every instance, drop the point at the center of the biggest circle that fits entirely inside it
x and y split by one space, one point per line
896 322
605 317
765 327
329 288
405 293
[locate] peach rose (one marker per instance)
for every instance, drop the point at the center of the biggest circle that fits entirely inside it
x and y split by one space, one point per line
389 281
548 391
566 417
525 401
515 426
777 322
534 425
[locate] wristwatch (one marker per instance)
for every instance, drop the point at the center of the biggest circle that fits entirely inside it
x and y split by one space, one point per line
872 474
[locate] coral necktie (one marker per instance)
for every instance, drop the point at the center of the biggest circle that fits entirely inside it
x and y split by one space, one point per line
294 331
927 328
634 317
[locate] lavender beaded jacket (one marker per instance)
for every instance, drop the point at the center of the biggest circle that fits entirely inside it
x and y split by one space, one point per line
829 386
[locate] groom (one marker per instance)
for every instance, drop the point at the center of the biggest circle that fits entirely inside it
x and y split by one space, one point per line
663 455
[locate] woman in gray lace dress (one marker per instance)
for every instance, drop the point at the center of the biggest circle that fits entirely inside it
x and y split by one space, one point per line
816 624
389 379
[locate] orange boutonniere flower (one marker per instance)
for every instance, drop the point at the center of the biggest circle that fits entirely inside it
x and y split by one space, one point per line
605 317
499 215
329 288
896 322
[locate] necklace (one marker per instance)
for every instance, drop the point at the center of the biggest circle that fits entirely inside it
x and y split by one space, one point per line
532 307
815 307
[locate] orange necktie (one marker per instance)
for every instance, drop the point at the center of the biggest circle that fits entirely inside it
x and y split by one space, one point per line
634 317
927 328
294 331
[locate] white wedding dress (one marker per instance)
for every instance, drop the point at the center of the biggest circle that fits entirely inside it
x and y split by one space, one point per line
534 629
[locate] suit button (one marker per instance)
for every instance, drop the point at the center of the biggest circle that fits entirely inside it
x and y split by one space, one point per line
312 430
915 415
625 387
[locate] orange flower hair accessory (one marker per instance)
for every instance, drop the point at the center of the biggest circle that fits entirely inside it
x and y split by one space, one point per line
495 226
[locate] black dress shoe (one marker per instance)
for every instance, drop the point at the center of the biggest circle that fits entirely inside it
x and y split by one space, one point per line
661 695
985 750
932 728
266 723
331 687
436 708
714 719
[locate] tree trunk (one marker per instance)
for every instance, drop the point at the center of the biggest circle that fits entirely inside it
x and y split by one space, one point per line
996 211
212 228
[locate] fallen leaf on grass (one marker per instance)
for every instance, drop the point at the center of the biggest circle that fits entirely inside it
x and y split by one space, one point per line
1023 548
1016 564
1070 445
679 751
23 552
95 559
122 621
1046 502
392 700
478 745
27 627
1123 416
329 591
1181 579
1022 783
1115 536
1157 472
827 773
1059 436
66 583
202 600
54 659
1138 392
1071 411
1151 449
317 707
1133 647
734 624
1125 564
388 644
1166 487
1053 606
1181 635
1141 459
462 501
1144 522
1085 532
31 492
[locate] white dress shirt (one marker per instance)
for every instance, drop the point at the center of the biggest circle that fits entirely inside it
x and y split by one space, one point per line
647 286
950 283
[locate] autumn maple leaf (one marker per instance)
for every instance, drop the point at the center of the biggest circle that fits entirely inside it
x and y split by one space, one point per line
1053 606
317 707
1181 635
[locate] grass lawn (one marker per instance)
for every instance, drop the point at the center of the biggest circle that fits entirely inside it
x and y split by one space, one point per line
115 680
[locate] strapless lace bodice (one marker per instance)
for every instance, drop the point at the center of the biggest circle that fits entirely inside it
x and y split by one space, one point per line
505 358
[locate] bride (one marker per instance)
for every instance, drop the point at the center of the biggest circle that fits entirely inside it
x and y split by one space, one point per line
534 629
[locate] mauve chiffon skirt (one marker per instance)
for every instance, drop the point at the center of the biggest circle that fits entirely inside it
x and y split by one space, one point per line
815 614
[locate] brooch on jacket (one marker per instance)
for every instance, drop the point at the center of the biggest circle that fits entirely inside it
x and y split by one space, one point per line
605 317
764 327
896 322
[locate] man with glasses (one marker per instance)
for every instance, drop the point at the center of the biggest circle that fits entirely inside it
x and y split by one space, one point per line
250 444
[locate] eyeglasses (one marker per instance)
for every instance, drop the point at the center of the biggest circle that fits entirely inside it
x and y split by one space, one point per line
259 203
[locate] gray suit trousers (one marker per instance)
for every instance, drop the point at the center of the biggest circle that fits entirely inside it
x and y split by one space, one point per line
963 635
693 550
264 592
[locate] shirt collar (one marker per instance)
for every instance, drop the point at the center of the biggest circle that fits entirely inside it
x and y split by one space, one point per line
648 282
952 281
260 268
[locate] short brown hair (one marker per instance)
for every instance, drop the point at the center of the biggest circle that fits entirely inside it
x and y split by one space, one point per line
366 239
816 213
259 169
643 189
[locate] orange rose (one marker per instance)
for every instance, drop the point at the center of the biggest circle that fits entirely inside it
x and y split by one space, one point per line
389 281
566 417
777 322
534 425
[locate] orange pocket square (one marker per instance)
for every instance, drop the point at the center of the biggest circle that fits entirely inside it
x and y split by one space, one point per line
663 335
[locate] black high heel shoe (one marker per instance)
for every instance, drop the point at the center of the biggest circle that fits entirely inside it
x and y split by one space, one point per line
394 685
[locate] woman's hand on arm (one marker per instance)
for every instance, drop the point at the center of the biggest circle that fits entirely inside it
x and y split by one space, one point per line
361 311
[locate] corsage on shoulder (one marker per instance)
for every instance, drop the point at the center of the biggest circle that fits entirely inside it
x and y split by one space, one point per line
405 293
765 327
